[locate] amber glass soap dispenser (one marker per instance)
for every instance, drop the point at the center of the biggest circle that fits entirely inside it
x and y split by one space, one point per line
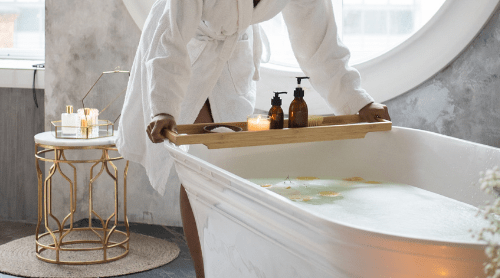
276 113
297 112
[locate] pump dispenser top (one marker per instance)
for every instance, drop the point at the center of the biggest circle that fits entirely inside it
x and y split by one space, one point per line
276 101
299 92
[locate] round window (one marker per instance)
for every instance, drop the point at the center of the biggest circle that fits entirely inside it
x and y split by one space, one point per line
368 28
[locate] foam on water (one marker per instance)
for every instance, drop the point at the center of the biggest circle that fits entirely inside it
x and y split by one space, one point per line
383 207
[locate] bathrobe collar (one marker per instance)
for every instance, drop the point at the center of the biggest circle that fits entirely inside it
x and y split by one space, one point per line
245 12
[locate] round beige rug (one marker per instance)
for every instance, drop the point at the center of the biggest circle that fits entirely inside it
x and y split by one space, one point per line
18 258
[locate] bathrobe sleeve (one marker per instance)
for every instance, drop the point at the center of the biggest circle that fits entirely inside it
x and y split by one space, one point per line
322 56
167 60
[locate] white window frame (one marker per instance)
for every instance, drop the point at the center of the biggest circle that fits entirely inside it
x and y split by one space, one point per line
391 74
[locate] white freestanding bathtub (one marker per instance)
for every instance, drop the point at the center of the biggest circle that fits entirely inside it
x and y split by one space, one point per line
248 231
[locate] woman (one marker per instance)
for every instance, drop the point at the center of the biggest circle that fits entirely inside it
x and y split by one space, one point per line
197 62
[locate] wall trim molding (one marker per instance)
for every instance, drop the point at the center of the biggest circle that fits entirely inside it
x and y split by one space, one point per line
19 78
19 74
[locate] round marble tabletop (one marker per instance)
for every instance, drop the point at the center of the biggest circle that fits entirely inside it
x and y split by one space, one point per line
47 138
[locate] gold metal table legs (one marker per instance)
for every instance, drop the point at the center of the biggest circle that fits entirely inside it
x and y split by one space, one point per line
59 236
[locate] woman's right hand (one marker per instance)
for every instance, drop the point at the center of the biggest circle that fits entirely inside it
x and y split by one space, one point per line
156 130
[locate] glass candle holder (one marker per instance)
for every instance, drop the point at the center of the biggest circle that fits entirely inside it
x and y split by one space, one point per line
258 122
94 116
88 118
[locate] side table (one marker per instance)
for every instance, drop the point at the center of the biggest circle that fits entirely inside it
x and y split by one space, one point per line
47 143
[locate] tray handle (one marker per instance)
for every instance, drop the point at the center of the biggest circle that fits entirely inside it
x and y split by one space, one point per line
172 136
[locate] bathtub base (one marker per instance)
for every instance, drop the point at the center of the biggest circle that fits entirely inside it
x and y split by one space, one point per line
237 246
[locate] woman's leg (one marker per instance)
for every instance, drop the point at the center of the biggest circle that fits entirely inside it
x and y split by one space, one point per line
190 230
191 233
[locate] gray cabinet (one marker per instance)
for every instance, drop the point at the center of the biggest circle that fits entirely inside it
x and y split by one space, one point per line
20 120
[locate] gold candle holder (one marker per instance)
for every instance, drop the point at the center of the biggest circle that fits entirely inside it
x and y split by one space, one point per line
88 125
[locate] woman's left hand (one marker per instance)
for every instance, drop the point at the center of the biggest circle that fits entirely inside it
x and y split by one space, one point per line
373 111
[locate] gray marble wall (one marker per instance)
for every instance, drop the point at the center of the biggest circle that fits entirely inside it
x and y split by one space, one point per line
83 39
463 99
87 37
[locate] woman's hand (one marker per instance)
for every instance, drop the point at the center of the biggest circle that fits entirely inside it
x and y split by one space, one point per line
373 111
156 130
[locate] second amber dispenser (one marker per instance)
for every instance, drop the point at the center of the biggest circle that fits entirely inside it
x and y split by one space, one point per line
297 113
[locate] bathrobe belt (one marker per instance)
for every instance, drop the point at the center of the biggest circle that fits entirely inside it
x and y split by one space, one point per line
260 42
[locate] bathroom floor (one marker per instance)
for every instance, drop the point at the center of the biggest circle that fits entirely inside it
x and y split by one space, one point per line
181 267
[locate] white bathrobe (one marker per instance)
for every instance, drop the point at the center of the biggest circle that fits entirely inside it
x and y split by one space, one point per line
191 50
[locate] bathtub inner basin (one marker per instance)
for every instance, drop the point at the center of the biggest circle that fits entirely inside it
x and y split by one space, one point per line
428 182
381 206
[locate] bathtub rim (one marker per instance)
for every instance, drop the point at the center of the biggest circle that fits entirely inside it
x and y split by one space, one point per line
278 203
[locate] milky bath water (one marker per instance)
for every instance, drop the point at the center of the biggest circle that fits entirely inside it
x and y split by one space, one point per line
384 207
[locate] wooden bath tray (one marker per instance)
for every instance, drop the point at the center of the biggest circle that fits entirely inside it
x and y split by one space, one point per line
333 128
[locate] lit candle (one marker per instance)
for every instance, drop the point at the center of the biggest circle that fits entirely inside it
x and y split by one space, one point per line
258 122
